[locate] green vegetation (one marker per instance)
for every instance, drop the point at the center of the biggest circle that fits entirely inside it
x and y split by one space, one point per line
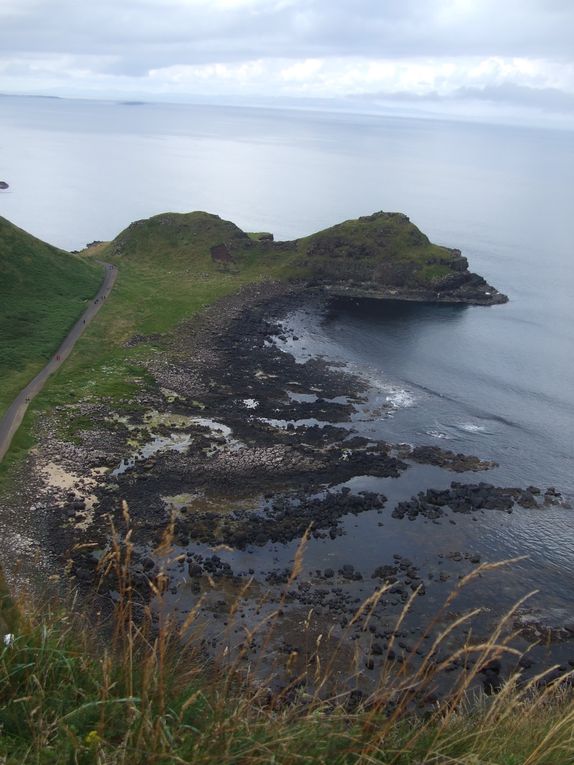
257 236
167 274
379 249
145 695
43 290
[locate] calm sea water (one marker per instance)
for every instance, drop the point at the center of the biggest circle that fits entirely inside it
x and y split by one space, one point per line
498 382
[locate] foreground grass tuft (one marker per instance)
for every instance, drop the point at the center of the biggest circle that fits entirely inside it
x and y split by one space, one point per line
134 692
66 699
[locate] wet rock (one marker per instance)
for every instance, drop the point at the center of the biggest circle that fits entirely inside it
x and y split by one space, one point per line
459 463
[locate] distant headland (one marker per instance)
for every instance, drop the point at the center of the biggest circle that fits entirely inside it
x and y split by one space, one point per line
383 255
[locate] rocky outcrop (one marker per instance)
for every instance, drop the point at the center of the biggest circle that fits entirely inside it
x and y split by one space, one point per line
221 254
474 290
386 256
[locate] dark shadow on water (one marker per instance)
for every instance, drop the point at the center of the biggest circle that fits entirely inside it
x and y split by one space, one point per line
388 312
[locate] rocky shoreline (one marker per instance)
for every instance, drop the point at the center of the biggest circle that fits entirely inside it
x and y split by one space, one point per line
471 289
240 450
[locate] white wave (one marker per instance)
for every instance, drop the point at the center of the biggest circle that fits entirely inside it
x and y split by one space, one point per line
471 427
400 398
438 434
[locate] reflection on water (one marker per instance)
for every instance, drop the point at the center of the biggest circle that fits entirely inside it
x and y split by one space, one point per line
448 373
178 442
444 378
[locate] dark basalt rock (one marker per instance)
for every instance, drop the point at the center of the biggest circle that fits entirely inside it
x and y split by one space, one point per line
287 518
449 460
468 498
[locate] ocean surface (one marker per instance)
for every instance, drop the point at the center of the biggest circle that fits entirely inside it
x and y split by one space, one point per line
497 382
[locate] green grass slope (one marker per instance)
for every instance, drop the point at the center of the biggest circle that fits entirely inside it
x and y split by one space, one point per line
165 275
167 272
182 242
43 290
176 235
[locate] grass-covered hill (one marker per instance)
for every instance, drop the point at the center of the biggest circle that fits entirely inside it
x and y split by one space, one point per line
386 255
176 236
191 241
173 265
43 290
383 248
382 255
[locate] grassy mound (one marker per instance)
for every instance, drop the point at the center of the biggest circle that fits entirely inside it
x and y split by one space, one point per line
383 248
43 290
176 236
185 241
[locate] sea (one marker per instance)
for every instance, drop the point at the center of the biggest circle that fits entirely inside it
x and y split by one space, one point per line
496 381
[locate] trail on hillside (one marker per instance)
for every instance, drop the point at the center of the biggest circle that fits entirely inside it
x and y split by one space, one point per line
14 415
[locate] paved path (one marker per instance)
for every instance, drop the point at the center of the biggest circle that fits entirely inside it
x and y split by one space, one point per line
10 423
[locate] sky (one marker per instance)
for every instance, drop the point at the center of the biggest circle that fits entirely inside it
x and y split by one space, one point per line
494 60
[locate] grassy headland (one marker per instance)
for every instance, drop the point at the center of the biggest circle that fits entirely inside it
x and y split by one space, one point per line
383 249
167 273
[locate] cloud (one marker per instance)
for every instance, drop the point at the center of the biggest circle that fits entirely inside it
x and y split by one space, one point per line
210 31
291 48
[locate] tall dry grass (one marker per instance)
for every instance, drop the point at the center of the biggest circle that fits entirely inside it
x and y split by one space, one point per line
139 690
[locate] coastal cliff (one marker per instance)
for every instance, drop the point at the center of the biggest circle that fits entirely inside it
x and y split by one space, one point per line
383 255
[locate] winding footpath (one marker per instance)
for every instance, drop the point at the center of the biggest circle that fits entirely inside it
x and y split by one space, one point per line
14 415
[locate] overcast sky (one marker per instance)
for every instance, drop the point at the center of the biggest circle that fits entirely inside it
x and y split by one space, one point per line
502 60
